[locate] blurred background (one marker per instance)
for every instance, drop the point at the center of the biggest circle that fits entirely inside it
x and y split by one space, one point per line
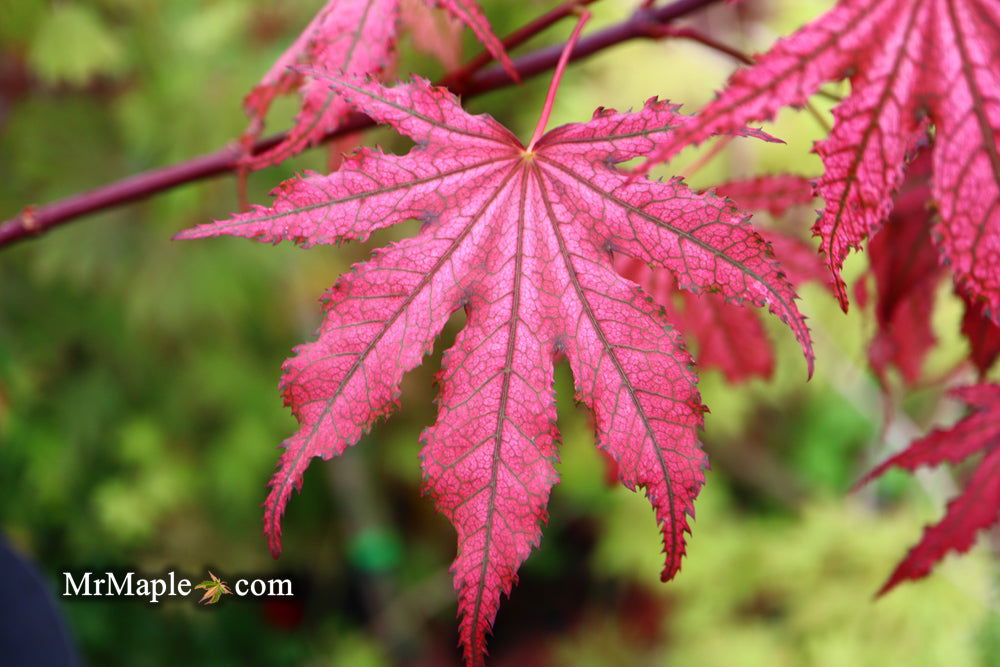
140 418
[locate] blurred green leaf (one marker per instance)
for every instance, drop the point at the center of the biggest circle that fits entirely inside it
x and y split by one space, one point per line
73 45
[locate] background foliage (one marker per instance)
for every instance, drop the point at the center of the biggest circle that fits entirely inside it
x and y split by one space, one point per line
139 415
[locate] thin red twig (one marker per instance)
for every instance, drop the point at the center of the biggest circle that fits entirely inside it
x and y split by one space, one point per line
695 36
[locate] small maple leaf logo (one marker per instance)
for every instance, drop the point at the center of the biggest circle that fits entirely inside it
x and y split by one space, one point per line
215 588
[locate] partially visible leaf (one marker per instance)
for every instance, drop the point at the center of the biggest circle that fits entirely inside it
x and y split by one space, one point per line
352 36
799 260
471 14
907 271
347 36
73 45
912 63
982 333
775 193
978 505
433 32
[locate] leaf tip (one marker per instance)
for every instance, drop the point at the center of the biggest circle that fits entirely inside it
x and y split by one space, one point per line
188 234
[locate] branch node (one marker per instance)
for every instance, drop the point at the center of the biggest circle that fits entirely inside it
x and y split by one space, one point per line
646 23
29 220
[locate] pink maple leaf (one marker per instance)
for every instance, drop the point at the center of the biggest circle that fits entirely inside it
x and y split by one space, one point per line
774 193
982 333
350 36
521 237
433 32
912 63
907 271
978 506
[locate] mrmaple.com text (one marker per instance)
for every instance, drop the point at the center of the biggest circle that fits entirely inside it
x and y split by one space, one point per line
153 589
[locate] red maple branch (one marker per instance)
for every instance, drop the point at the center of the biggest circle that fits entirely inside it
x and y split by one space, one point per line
645 23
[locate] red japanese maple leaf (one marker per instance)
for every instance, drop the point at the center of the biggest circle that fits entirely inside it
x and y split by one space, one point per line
774 193
520 237
433 32
352 36
907 271
730 338
982 333
912 63
978 506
